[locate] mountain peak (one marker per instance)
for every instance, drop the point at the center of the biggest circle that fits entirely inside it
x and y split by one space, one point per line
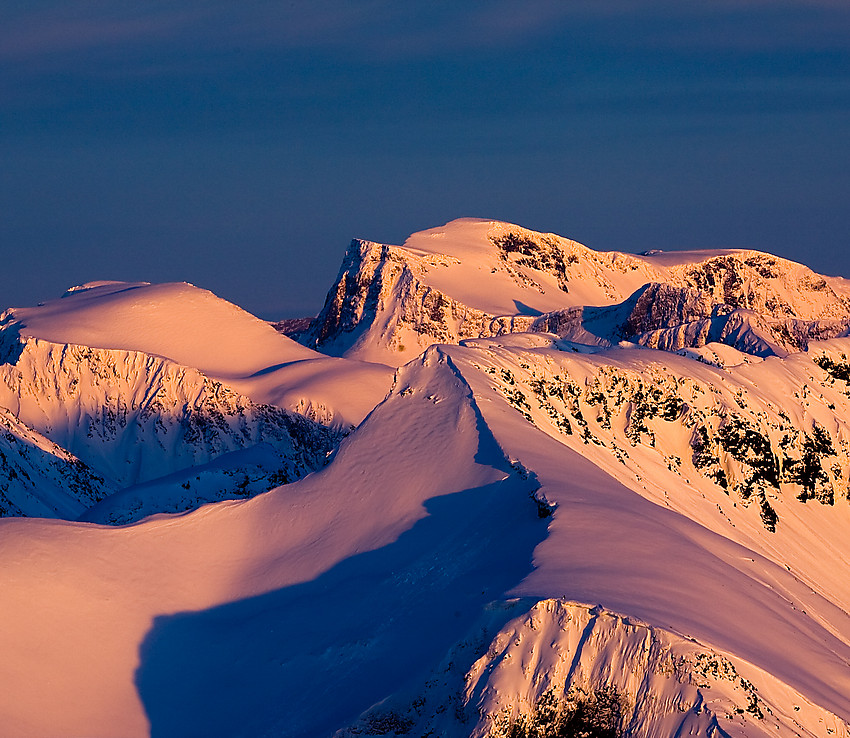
175 320
474 278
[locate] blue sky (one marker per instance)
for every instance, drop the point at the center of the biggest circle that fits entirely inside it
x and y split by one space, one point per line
240 146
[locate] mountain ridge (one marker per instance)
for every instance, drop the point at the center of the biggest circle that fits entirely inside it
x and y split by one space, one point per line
439 287
595 476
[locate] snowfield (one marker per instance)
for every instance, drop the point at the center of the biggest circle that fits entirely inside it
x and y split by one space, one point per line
498 471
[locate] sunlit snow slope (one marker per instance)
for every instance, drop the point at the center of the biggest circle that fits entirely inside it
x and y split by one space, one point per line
194 328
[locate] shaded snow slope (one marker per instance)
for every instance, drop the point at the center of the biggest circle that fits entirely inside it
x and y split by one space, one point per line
233 475
283 599
133 417
474 278
42 479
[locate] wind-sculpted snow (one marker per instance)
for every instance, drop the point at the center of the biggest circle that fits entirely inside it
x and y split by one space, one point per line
177 321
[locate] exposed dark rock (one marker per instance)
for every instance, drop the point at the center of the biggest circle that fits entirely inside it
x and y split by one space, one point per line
542 254
293 327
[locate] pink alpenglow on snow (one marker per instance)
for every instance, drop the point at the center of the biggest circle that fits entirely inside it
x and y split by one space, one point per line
498 471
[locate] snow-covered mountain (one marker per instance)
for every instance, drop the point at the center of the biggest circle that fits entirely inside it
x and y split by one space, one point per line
193 327
475 278
122 414
136 416
604 491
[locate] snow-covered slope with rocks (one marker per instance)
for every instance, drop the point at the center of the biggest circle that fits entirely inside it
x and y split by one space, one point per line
714 537
40 478
120 413
134 417
670 318
546 518
555 654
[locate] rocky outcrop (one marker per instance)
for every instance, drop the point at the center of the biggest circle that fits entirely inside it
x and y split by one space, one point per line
642 419
39 478
671 318
380 308
390 303
765 284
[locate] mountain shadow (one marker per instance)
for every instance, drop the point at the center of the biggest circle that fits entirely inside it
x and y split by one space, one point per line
307 659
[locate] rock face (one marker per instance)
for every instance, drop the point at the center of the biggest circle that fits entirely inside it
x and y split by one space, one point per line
475 279
380 308
671 318
658 306
765 284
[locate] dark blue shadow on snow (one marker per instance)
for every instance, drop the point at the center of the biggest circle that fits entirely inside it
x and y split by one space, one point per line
524 309
11 343
307 659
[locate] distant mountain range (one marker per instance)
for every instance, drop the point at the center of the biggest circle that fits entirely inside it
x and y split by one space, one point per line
502 485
